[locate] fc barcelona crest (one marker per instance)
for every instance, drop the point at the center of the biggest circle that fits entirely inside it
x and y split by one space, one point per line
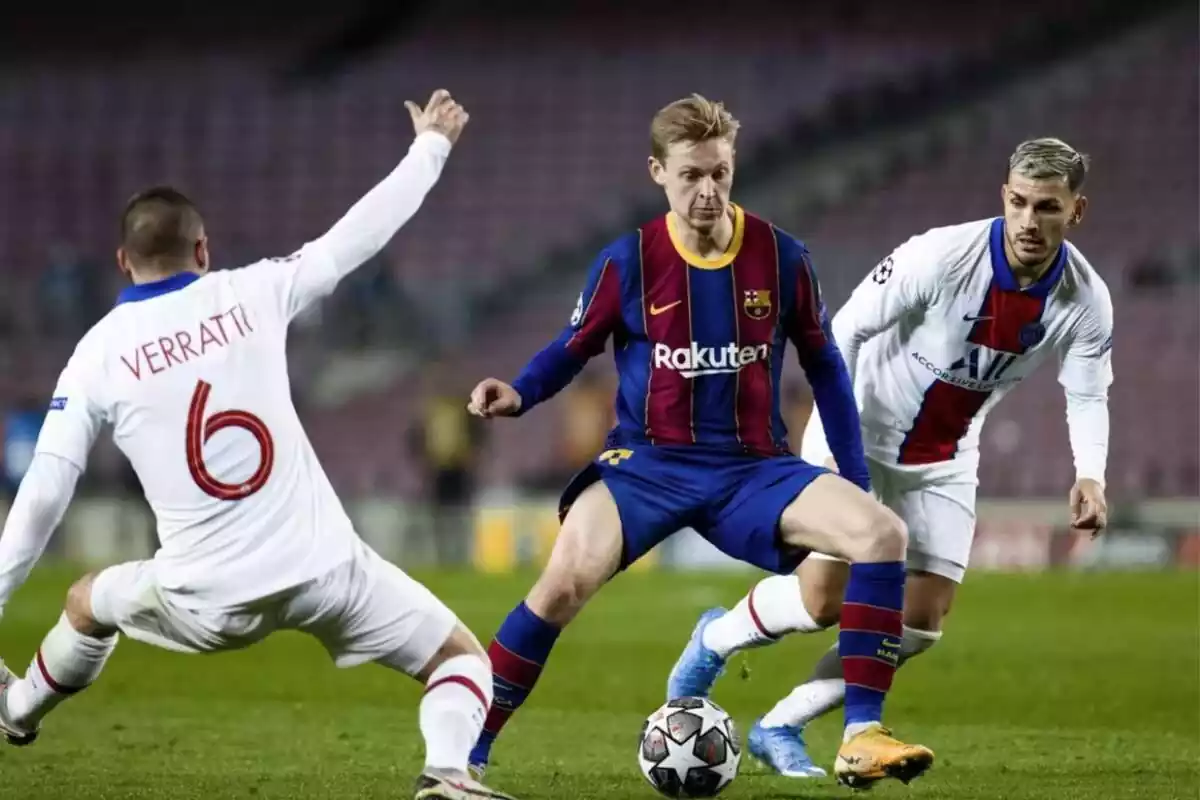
757 303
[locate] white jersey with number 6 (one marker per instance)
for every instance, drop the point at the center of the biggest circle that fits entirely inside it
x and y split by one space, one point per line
940 331
191 373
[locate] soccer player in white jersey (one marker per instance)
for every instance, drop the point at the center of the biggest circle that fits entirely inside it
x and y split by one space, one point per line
934 337
190 370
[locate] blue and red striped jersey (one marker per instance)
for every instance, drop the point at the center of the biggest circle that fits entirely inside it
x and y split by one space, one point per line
699 343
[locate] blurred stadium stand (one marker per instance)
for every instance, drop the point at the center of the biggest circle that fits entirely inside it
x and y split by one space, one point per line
864 123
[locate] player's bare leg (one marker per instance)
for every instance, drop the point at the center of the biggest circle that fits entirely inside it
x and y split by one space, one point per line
834 516
458 694
586 555
69 660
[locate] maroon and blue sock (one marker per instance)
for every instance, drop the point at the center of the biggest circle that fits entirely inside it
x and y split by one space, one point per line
518 654
869 639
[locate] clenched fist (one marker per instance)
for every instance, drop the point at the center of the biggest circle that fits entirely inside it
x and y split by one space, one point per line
494 398
1089 509
441 114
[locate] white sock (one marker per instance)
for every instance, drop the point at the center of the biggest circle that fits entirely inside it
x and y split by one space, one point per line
824 692
915 641
807 702
66 663
456 701
772 609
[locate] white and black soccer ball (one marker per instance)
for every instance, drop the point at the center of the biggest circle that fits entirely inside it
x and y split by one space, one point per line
689 748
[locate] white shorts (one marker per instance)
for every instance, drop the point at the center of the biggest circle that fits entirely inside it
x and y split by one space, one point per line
939 510
366 609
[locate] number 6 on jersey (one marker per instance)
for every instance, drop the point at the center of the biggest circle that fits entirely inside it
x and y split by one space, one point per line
199 431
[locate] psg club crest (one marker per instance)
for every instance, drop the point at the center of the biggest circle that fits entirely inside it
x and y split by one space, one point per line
757 303
1031 334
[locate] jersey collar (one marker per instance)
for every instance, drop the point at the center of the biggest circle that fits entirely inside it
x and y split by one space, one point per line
723 260
144 291
1003 275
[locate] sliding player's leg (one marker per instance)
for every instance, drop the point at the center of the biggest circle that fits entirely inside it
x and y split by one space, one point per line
458 694
69 659
126 598
617 510
369 610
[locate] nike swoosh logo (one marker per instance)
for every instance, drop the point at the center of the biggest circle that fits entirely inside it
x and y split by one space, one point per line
969 318
656 310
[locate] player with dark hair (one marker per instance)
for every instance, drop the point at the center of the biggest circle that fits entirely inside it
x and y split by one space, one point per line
700 304
190 369
161 229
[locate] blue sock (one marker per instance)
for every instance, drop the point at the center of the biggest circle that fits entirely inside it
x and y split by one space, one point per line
518 654
869 639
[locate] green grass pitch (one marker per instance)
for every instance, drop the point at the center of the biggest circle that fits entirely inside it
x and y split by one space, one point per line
1052 686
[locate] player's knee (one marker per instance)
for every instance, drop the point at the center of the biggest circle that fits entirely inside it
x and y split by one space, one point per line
822 589
586 554
460 642
78 608
567 583
561 593
877 534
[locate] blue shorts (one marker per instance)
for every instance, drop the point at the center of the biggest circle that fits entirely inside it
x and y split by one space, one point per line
733 500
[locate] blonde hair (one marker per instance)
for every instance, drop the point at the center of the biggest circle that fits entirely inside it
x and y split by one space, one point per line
692 119
1050 158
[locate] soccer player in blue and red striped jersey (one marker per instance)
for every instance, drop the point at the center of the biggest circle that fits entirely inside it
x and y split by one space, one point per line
700 305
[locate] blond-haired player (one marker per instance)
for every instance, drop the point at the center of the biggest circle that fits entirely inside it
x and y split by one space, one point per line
191 372
934 337
700 304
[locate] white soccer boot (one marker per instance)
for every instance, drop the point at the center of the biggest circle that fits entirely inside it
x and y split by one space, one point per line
16 735
438 785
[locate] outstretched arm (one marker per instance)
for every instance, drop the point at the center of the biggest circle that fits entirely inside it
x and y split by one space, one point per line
597 315
316 269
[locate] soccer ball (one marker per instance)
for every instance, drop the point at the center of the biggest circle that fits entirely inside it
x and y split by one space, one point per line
689 748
